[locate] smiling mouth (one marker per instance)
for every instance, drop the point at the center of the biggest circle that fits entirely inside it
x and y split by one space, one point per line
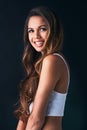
39 44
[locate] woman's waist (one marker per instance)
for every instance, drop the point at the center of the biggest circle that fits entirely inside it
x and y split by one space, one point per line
52 123
53 119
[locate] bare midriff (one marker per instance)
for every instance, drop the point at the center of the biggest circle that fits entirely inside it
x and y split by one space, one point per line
52 123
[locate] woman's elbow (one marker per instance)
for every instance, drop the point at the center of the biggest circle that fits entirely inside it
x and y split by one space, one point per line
34 123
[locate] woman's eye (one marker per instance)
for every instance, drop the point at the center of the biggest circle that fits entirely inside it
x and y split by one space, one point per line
43 29
30 31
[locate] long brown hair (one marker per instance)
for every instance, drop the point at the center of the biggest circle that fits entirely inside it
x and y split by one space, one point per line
32 60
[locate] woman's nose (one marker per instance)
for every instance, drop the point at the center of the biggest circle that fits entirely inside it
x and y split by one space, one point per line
37 34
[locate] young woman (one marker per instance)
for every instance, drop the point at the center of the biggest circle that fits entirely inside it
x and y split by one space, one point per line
44 89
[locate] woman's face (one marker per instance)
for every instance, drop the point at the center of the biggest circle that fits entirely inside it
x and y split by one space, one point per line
38 33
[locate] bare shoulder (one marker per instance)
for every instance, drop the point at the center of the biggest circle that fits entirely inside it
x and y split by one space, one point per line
57 61
57 65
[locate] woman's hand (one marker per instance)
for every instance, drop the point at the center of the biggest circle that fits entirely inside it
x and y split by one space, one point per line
21 125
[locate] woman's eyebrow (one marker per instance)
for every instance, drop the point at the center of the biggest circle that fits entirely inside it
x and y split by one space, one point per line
38 26
30 28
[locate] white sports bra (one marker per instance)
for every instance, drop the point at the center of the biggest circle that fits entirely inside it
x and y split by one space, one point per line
57 100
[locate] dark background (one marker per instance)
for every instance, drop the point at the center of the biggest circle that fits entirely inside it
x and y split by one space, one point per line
12 18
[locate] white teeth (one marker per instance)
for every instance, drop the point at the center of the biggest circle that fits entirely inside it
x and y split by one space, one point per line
39 43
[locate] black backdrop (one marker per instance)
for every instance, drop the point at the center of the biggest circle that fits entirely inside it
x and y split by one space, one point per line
12 18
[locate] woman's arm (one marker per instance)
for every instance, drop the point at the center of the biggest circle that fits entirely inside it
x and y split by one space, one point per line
21 125
48 79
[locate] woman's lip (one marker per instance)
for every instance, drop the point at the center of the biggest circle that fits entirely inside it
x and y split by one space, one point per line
39 43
